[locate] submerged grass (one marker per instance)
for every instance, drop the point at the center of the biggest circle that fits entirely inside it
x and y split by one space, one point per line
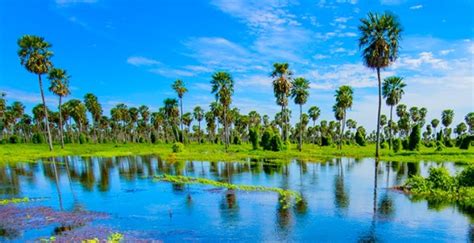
215 152
285 195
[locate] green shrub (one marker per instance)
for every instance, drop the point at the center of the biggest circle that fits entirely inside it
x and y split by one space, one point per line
38 138
439 146
360 136
448 143
383 145
254 136
153 137
466 177
417 183
287 145
82 138
440 178
14 139
237 140
397 145
177 147
405 144
415 138
266 139
276 143
3 141
326 140
466 142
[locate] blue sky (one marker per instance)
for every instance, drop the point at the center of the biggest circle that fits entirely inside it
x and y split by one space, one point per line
131 51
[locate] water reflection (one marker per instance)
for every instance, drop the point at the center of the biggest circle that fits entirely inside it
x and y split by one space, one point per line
353 185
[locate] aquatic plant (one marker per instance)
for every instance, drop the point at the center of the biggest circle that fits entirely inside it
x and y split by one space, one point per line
285 195
13 200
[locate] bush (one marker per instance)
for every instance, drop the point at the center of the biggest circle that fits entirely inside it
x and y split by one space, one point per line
276 143
254 137
14 139
360 136
237 140
440 178
397 145
82 138
177 147
326 140
417 183
405 144
466 142
153 137
383 145
266 139
466 177
415 138
439 146
3 141
38 138
448 143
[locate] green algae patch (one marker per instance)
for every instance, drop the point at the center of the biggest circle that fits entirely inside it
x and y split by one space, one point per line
14 201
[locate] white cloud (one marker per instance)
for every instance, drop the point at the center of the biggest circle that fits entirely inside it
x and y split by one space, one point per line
142 61
424 59
172 73
320 56
419 6
342 19
445 52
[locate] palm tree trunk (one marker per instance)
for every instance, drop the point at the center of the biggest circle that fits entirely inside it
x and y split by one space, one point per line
61 123
282 123
225 128
50 141
390 128
181 118
342 131
300 145
378 115
199 132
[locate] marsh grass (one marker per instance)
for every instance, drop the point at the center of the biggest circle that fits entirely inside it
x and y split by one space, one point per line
285 196
14 200
213 152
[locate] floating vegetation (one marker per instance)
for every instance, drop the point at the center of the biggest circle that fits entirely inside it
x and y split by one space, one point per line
284 195
14 200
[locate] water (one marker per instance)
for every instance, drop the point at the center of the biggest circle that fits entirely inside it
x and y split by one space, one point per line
340 201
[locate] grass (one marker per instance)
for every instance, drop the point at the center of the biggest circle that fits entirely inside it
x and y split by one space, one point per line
285 195
14 200
213 152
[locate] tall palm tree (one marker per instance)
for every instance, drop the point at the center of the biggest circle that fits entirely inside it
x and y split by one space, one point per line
198 115
379 37
95 108
60 87
343 102
171 112
281 89
179 87
35 55
223 88
314 113
447 118
392 91
434 124
300 94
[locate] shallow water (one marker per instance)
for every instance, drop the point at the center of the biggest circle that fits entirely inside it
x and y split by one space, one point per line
342 200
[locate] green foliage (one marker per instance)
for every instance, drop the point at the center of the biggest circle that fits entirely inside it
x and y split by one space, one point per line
466 141
397 145
82 138
448 143
14 200
466 177
439 146
38 138
115 237
415 138
360 136
254 137
14 139
405 144
383 145
266 139
276 143
153 138
177 147
284 194
326 140
237 140
439 178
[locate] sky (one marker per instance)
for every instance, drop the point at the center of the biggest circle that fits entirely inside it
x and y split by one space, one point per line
132 51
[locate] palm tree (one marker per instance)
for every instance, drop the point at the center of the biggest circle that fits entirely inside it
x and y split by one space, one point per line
379 37
198 115
223 87
180 89
281 88
60 87
35 55
314 113
94 107
171 112
434 124
447 118
469 118
300 94
343 102
392 91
